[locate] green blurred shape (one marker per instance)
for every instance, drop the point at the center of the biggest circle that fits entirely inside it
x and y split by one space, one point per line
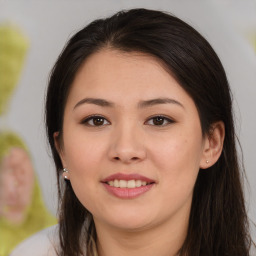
38 217
13 48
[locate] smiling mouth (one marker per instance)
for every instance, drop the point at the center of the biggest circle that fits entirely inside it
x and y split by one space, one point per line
128 183
127 186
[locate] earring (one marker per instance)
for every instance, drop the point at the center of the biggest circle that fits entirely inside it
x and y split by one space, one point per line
207 161
65 170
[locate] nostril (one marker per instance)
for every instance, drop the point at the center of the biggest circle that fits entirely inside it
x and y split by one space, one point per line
130 159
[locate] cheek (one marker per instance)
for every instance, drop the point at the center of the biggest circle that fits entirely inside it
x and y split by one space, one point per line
177 160
85 160
85 163
26 190
82 156
5 182
177 151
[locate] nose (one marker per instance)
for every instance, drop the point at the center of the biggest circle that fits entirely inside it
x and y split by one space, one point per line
127 146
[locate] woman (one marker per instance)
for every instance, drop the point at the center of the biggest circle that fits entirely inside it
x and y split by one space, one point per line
139 120
22 210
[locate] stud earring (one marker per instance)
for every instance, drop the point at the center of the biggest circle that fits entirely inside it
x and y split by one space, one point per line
65 170
207 161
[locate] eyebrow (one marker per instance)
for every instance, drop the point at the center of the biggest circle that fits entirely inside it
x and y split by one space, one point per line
141 104
98 102
149 103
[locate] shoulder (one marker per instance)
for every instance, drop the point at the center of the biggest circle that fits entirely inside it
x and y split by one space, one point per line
43 243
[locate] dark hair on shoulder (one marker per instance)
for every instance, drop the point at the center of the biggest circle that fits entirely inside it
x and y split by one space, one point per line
218 223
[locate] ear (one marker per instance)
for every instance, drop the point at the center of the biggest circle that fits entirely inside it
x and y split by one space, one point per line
60 151
213 145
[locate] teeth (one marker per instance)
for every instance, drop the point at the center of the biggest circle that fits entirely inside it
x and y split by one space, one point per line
123 184
143 183
131 184
116 183
127 184
138 183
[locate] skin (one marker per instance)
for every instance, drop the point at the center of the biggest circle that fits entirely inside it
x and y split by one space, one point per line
129 141
16 185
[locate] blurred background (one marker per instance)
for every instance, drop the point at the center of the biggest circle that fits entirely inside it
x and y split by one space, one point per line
46 25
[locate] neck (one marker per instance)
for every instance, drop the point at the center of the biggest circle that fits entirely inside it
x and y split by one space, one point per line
163 239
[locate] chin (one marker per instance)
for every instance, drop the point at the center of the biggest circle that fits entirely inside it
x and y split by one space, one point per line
130 222
131 227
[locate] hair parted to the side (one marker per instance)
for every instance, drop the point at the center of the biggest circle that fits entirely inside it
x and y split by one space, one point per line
218 222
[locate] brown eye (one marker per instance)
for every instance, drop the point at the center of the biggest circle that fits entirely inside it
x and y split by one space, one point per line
98 121
95 121
159 121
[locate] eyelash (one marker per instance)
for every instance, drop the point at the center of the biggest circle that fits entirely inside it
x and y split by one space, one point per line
92 118
167 120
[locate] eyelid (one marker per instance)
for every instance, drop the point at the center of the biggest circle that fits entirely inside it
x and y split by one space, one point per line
168 119
88 118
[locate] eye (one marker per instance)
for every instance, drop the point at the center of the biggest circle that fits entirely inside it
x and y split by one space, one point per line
159 121
95 121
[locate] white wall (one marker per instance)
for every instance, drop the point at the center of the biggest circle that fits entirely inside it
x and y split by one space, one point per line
49 23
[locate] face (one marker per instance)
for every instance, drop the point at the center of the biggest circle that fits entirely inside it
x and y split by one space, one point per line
16 185
132 141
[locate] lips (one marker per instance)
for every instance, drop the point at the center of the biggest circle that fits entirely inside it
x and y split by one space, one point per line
127 186
127 177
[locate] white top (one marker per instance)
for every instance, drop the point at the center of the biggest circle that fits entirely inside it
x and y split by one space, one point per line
45 242
42 243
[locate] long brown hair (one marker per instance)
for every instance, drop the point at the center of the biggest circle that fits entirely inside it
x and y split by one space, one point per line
218 222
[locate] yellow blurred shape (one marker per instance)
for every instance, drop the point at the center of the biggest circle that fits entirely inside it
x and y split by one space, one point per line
13 48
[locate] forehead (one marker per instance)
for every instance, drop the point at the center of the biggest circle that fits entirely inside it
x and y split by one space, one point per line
129 75
109 62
